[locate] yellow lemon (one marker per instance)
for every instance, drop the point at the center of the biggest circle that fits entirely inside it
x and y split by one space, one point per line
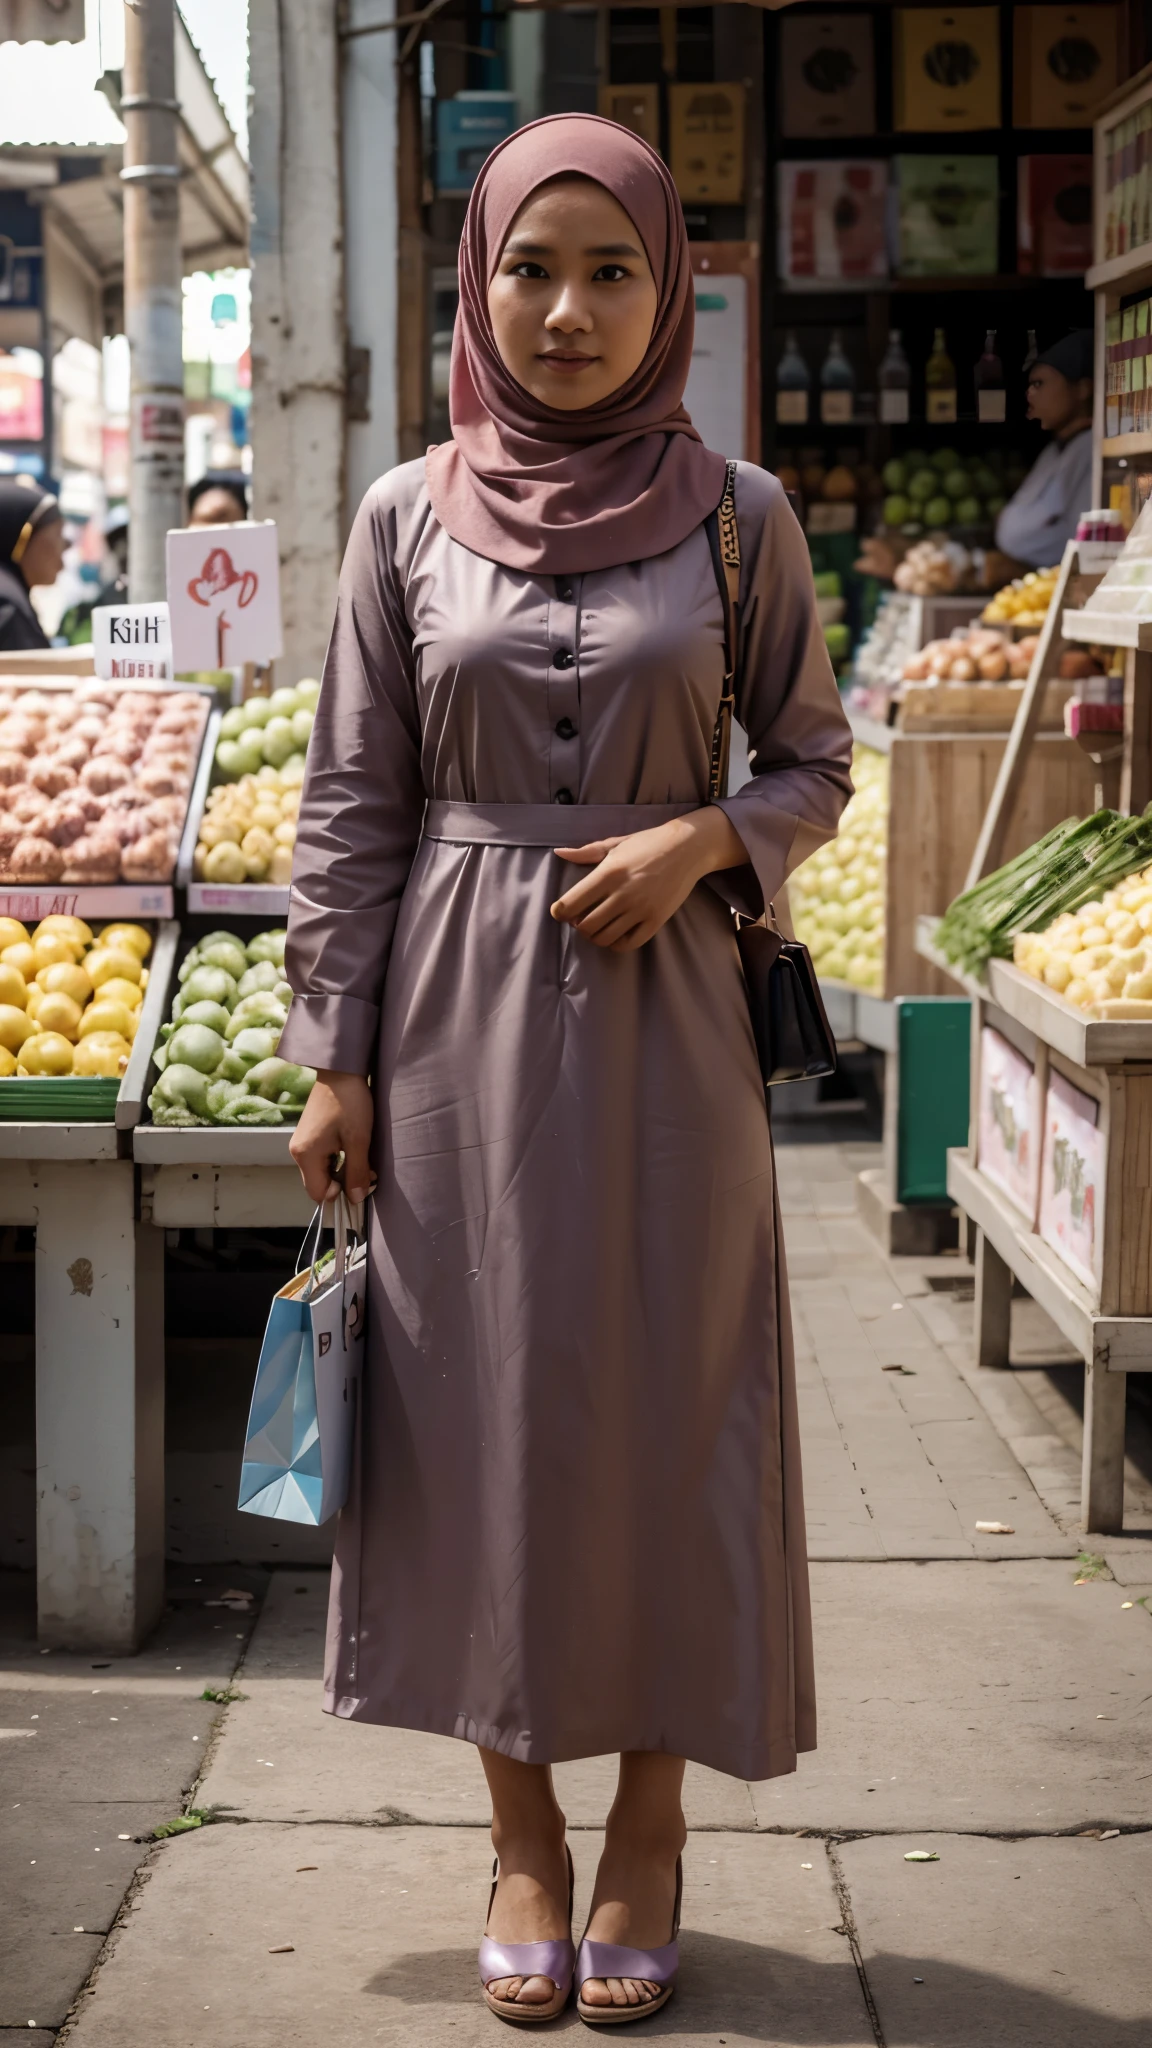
46 1052
51 947
7 1063
108 1017
14 1026
60 1014
104 1056
132 936
12 932
120 991
13 987
73 928
107 963
35 996
66 979
20 956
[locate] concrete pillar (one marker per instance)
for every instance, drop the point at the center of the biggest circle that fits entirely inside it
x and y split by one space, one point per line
298 356
369 127
99 1408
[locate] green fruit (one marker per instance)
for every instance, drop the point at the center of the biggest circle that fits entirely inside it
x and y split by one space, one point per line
923 485
230 760
308 692
956 484
249 751
302 727
838 641
284 702
279 741
984 481
232 723
994 506
938 512
894 474
826 583
914 459
896 510
944 459
257 711
968 512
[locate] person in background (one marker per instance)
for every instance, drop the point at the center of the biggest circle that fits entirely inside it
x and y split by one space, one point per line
1043 514
220 498
76 625
32 544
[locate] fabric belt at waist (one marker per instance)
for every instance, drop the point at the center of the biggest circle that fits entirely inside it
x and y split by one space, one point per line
543 824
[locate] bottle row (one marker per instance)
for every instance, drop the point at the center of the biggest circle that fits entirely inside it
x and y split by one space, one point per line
837 384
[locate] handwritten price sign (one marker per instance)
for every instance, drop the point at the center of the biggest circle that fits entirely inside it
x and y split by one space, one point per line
224 595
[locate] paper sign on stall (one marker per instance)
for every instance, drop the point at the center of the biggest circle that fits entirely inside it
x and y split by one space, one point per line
132 642
224 595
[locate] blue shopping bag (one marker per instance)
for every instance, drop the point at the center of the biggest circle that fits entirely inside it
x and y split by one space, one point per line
302 1422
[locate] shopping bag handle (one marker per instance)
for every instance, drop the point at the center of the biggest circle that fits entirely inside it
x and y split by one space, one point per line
346 1220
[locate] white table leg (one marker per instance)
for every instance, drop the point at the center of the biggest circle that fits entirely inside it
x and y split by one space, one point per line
99 1408
993 1304
1102 1482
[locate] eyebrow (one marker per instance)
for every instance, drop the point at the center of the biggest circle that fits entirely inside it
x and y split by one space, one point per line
519 247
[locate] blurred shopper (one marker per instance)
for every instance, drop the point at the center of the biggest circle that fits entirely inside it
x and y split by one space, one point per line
76 625
1044 512
32 545
220 498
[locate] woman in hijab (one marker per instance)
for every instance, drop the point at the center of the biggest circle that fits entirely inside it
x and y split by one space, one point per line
577 1526
31 552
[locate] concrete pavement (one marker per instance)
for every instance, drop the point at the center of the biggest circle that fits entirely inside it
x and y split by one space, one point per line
976 1703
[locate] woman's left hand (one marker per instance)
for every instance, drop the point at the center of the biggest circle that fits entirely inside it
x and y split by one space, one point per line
640 881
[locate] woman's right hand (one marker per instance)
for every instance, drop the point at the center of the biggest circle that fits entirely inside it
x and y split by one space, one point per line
337 1117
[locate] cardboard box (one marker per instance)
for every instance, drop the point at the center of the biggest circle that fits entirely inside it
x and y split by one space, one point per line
832 220
827 75
1054 217
706 135
468 128
1064 64
947 66
1072 1178
634 106
1009 1122
947 212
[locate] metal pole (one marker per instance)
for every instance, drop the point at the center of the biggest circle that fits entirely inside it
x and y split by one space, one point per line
152 290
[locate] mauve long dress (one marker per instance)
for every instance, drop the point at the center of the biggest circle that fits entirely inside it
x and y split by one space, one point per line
577 1525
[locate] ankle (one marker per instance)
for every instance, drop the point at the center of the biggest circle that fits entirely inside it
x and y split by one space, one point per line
644 1837
524 1840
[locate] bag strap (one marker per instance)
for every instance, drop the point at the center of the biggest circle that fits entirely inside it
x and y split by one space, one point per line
724 546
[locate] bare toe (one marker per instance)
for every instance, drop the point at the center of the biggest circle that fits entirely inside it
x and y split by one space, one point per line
536 1991
594 1991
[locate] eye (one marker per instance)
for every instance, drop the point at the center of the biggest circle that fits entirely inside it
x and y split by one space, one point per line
609 273
528 269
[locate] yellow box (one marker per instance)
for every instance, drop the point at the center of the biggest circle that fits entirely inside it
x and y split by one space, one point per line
947 69
706 124
1064 64
634 106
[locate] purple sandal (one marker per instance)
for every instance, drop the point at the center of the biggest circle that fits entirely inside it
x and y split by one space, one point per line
552 1959
602 1959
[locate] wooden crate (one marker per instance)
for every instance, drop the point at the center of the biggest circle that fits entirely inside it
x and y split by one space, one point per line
975 707
940 788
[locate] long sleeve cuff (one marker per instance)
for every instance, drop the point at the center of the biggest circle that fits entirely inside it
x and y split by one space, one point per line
339 1032
768 836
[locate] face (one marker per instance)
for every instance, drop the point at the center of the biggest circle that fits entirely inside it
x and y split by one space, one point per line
43 557
216 507
1054 400
573 300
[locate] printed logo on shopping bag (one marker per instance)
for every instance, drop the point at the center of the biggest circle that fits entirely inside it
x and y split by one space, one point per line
325 1342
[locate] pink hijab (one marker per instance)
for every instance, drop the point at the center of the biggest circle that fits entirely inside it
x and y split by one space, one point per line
556 492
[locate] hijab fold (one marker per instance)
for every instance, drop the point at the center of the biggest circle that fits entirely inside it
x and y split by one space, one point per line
557 492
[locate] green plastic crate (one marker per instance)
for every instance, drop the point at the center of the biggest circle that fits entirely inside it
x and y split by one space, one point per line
59 1099
933 1068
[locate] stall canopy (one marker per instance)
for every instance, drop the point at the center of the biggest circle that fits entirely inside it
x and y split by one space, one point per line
60 126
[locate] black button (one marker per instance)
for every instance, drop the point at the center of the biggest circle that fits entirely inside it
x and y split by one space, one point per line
564 591
563 658
565 730
564 796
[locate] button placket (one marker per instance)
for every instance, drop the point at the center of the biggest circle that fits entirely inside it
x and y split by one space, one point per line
563 693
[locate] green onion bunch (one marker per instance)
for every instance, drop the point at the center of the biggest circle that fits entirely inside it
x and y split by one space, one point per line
1072 865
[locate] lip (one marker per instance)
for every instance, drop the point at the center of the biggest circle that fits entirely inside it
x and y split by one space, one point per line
569 363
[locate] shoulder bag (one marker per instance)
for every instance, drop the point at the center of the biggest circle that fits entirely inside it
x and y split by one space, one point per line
794 1040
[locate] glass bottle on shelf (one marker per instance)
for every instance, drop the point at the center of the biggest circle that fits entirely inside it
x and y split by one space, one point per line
793 383
940 385
895 381
988 377
837 385
1030 354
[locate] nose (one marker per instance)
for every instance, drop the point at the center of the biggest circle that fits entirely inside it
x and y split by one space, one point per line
569 314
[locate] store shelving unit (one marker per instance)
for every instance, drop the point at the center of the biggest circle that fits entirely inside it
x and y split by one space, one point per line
1113 281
